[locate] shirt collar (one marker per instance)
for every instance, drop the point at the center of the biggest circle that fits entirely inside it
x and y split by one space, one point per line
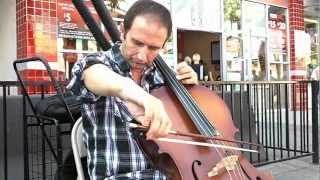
120 60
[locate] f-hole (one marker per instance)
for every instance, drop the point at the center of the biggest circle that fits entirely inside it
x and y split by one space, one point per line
198 163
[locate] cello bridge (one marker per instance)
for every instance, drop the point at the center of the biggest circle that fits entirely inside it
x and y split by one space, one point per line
229 163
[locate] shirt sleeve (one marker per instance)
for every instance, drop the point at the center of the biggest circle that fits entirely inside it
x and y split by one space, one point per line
76 84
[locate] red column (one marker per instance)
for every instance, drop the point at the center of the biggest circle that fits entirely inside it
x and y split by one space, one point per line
37 35
36 28
296 22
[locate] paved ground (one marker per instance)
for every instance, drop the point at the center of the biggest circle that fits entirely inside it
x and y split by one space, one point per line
297 169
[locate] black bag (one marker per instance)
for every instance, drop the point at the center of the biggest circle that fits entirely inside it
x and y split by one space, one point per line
53 106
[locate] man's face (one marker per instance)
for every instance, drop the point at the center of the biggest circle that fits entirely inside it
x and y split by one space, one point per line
143 41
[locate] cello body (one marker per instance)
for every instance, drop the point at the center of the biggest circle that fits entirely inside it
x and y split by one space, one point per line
187 162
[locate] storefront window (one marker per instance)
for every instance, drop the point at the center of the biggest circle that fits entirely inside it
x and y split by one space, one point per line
313 68
233 39
278 57
254 18
234 58
254 29
258 58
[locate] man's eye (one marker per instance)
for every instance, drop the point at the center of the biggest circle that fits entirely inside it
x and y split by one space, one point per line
154 48
138 43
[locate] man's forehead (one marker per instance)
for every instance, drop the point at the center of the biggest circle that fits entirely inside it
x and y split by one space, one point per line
149 18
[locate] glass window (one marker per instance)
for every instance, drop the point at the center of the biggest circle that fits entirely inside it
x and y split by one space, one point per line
277 43
313 67
254 30
258 58
254 18
233 43
234 58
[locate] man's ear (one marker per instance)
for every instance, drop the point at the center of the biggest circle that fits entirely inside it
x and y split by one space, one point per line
122 35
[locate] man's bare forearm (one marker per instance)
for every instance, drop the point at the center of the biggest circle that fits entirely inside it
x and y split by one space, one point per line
102 81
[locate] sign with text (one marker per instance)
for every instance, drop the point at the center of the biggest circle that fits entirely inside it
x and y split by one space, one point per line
277 30
70 23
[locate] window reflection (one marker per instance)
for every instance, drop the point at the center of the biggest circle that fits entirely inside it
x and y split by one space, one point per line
258 59
234 58
254 18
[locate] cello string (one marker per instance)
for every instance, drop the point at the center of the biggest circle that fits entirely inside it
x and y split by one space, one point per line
204 119
180 91
238 169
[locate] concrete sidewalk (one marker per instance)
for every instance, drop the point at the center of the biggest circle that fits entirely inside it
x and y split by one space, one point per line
297 169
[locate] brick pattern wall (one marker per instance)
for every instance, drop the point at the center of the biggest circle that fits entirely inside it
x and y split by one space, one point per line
37 28
37 35
22 30
38 75
296 22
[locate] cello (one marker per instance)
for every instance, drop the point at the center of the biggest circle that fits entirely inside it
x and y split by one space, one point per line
193 110
197 110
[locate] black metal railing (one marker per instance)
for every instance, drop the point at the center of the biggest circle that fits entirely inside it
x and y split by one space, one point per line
282 116
19 125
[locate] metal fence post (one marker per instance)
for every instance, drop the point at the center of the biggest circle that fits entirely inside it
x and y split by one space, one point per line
315 130
5 133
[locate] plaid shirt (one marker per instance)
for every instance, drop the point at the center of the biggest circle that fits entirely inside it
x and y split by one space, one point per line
112 151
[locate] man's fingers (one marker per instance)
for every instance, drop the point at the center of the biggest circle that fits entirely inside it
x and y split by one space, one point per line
154 129
185 76
149 116
183 68
156 118
181 65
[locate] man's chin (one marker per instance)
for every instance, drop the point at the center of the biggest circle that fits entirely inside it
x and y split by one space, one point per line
138 66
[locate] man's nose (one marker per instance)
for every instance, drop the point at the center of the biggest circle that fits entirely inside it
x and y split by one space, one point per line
143 53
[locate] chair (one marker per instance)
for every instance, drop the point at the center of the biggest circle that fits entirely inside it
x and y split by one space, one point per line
78 147
33 92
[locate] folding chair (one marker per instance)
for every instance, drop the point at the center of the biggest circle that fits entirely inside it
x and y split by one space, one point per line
78 147
43 121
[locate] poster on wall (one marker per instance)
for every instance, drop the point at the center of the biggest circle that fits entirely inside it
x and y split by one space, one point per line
70 23
277 36
45 43
302 46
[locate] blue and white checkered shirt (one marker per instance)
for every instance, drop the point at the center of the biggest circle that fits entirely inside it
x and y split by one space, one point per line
112 151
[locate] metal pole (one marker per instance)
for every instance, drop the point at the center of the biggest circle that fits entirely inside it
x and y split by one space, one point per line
107 20
92 24
25 138
315 130
5 153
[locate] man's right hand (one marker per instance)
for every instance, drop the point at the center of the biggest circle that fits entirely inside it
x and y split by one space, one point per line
151 113
156 117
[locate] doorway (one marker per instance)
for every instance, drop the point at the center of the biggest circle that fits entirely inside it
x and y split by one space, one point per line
204 45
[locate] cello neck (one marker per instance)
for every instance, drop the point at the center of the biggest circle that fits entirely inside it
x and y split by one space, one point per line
196 115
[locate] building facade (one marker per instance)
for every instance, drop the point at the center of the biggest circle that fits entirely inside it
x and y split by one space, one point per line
237 40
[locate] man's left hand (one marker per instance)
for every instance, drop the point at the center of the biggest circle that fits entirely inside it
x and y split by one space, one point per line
186 74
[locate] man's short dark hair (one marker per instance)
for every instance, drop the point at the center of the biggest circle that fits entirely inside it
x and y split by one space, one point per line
148 7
